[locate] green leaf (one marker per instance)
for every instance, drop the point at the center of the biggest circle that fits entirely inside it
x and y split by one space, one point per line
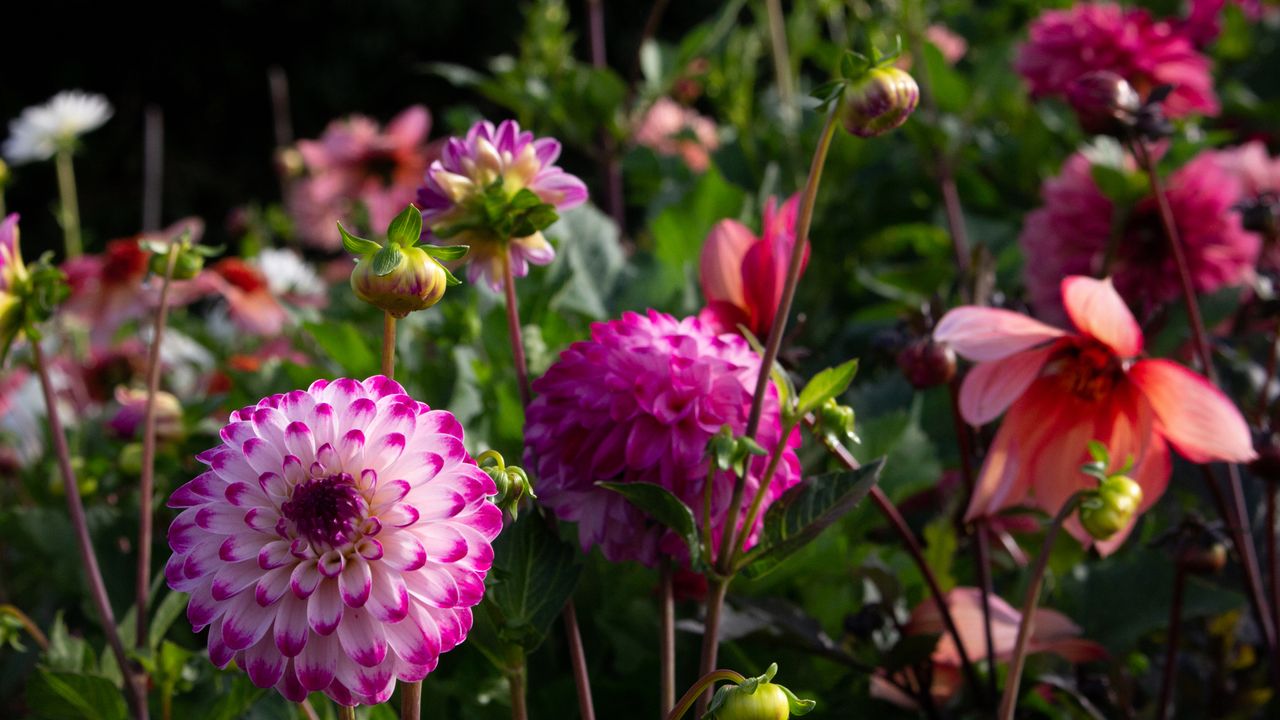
828 384
446 252
67 652
449 279
949 87
386 260
345 344
357 245
406 228
534 573
940 550
854 65
662 505
679 231
804 511
72 696
165 614
1123 188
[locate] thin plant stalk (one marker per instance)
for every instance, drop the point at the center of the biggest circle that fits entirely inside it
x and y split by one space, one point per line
346 712
781 61
610 167
1009 702
577 654
27 624
667 639
899 524
146 481
705 683
516 686
1264 392
152 168
735 544
411 701
69 204
1171 644
84 543
1273 549
307 710
388 345
716 591
1238 516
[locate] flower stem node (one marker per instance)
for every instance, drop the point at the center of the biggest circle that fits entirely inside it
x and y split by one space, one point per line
400 276
757 699
512 481
1110 508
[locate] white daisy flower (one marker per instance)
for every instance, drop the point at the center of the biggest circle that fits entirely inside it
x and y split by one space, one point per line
290 277
42 129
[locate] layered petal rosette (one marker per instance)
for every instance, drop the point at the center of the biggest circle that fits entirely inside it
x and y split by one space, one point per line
470 190
1059 390
638 402
337 541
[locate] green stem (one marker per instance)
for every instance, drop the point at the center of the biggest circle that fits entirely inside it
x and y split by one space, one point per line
346 712
513 331
411 701
667 639
737 547
146 482
711 635
706 682
1008 703
516 684
781 62
27 623
70 204
389 345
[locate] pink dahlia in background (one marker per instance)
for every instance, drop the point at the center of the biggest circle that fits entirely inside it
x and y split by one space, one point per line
742 274
1051 632
359 174
1061 390
495 163
669 128
337 542
1204 18
1065 44
1070 233
638 403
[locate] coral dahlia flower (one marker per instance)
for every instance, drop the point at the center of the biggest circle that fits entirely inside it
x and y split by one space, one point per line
742 274
1062 389
337 542
1051 632
638 402
1065 44
1070 233
490 165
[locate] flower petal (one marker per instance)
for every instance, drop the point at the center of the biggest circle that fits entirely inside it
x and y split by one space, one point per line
981 334
990 387
1198 420
1098 311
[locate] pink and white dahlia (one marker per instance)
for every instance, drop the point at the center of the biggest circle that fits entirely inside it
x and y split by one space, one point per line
638 402
1065 44
1070 233
360 174
337 542
489 167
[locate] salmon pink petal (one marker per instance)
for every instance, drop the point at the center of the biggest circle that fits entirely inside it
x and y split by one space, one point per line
982 334
1197 419
1097 310
990 387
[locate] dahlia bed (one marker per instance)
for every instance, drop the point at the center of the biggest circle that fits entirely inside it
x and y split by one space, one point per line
740 361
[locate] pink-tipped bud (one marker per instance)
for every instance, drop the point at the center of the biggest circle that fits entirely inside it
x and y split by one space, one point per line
1105 103
879 101
1111 507
416 283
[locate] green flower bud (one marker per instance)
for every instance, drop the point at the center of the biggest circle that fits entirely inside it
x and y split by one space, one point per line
1110 508
768 702
414 282
836 422
879 101
186 266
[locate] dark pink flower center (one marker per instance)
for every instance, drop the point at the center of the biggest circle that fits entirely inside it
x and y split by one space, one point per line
1089 370
326 510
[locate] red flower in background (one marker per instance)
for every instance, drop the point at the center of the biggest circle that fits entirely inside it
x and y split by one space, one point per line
1065 44
742 274
1062 390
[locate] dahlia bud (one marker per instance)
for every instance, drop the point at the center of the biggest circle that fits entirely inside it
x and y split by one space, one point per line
1105 103
927 363
512 481
879 101
401 276
757 699
836 422
180 239
1109 509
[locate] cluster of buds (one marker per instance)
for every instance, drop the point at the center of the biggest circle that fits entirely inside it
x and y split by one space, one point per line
186 256
512 481
835 423
1106 104
403 275
1110 507
875 95
730 452
28 294
757 698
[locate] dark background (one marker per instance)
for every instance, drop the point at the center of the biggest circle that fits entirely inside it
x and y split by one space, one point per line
205 65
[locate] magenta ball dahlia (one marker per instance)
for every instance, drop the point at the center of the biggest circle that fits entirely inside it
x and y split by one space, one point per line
1065 44
337 541
638 402
1070 232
